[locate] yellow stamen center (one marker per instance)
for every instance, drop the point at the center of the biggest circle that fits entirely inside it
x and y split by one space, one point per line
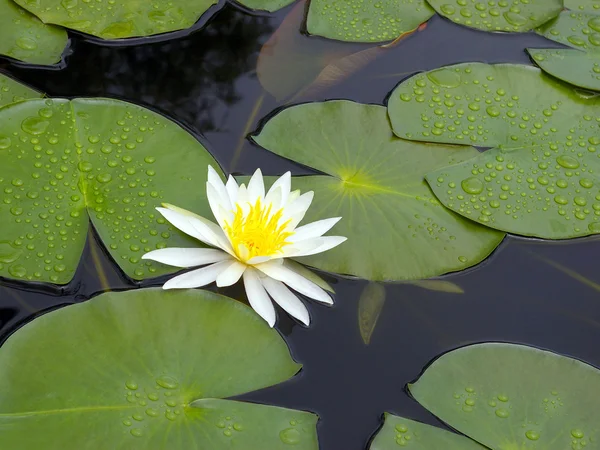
257 233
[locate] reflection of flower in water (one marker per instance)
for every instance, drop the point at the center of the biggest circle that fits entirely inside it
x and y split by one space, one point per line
256 231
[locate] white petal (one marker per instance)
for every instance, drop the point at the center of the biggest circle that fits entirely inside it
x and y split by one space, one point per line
293 197
314 229
258 260
232 189
297 282
313 246
187 257
231 274
286 299
258 298
181 221
284 182
197 278
211 234
296 211
256 187
274 199
217 203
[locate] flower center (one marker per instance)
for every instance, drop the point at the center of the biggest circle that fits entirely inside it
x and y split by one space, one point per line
257 233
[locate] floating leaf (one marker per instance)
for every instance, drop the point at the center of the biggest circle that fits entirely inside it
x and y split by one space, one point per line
24 37
398 431
265 5
122 19
514 15
340 69
578 30
370 305
64 162
573 66
11 91
290 61
439 286
542 180
395 227
147 369
591 6
366 20
509 396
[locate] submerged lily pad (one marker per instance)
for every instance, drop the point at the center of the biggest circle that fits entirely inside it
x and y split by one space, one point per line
147 369
542 180
11 91
592 6
64 162
511 15
398 431
508 396
121 19
575 29
265 5
573 66
366 20
396 229
25 38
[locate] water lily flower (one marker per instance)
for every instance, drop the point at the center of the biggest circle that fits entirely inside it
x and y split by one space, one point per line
254 234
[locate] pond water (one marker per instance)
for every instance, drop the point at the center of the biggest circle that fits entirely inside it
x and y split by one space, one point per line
532 292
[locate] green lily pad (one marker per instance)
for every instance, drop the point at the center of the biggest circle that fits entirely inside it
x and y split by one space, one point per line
64 162
396 229
398 431
573 66
575 29
121 19
265 5
591 6
366 20
513 15
513 397
25 38
11 91
147 369
542 179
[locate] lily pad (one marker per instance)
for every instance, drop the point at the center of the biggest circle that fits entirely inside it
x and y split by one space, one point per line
542 180
147 369
591 6
11 91
512 15
65 162
366 20
573 66
398 431
121 19
265 5
396 229
508 396
575 29
25 38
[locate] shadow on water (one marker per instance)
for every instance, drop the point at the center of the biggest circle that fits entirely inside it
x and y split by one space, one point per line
207 81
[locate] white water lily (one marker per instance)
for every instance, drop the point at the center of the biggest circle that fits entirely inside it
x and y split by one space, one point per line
255 232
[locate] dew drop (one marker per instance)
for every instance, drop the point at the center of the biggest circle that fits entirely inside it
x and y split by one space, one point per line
167 382
568 162
35 125
532 435
290 436
472 185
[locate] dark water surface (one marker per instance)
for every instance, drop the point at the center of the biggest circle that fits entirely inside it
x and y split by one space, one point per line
207 82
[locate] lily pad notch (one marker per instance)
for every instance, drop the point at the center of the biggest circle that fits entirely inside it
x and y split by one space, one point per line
148 370
111 162
502 396
396 229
